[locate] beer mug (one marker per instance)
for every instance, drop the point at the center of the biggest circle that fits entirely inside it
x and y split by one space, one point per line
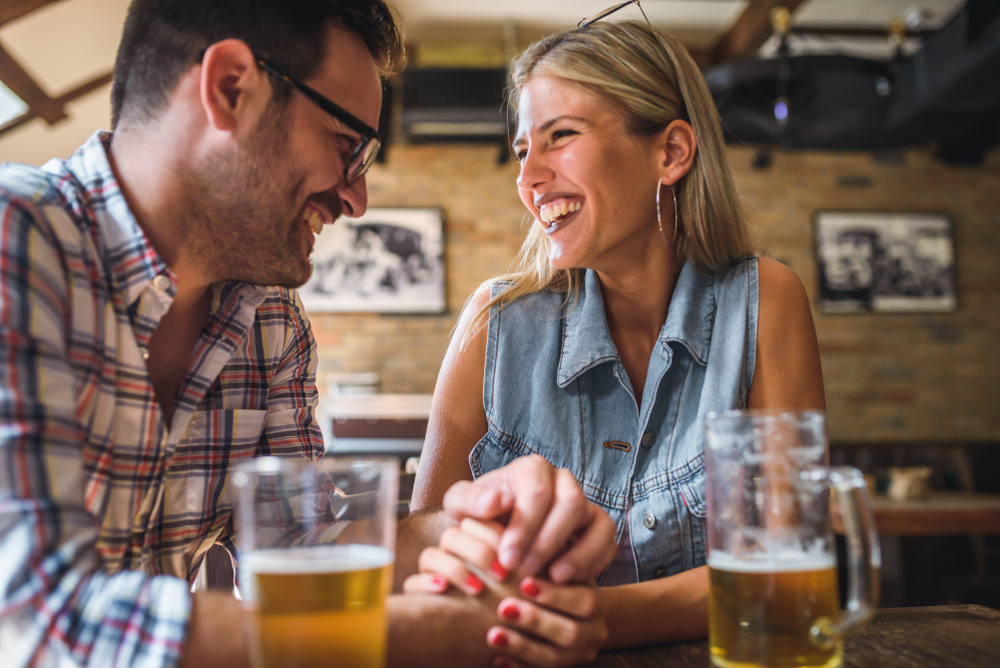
773 597
316 548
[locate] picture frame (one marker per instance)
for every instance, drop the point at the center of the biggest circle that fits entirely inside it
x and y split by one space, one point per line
390 260
885 262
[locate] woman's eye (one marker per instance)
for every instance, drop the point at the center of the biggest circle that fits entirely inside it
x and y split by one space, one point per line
520 155
559 134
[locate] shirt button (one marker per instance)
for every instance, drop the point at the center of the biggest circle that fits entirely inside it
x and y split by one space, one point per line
144 353
161 282
649 521
648 439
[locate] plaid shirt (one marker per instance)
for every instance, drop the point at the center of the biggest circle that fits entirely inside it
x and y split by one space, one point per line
105 514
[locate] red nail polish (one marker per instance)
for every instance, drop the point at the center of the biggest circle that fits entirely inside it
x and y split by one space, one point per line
501 662
529 588
510 612
474 583
499 570
440 581
500 639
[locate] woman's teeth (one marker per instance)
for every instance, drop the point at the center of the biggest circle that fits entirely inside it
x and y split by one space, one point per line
550 213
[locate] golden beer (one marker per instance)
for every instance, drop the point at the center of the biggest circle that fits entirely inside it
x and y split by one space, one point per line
760 613
321 606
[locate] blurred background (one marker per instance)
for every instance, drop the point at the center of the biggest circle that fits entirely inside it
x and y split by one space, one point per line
868 106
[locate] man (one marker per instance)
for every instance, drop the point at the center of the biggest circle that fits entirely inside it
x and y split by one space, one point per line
150 340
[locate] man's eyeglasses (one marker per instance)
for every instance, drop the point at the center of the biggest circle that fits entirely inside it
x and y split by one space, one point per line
364 153
611 10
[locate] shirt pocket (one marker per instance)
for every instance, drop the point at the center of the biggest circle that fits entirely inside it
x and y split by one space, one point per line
233 430
216 442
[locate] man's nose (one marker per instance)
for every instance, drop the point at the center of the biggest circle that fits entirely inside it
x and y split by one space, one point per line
354 198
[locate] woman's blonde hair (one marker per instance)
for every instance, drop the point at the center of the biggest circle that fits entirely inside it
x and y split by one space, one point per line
651 80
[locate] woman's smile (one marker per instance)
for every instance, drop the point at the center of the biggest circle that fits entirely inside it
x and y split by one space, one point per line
556 214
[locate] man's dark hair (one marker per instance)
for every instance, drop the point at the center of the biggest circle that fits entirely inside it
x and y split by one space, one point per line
162 39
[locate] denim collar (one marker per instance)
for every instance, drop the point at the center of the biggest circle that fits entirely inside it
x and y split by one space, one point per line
587 340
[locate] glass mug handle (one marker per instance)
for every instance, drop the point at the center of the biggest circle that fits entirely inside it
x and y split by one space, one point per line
863 555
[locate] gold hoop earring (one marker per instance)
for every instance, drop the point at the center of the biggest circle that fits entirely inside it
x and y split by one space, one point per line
659 216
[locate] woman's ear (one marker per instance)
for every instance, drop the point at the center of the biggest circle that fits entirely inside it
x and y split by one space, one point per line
680 145
230 84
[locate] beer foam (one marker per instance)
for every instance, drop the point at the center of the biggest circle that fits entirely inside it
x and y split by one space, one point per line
781 562
329 559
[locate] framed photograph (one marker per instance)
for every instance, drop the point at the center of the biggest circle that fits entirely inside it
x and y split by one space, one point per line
387 261
885 262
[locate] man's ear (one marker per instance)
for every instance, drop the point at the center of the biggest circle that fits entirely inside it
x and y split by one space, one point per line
231 85
680 145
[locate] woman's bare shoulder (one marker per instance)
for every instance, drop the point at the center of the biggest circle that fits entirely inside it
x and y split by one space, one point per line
779 283
470 330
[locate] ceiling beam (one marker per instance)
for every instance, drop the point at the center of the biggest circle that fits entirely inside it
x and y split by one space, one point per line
750 30
62 101
22 85
85 88
11 10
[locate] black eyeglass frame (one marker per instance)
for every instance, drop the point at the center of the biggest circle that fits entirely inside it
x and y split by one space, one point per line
369 144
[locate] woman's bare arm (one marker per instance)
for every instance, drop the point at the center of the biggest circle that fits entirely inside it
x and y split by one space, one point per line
787 373
457 420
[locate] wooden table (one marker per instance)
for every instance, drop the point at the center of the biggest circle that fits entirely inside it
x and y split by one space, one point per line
951 636
941 513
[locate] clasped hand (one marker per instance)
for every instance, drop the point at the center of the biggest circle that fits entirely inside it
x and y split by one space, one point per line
541 558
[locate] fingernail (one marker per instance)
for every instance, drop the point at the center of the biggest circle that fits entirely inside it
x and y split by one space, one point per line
474 583
529 588
510 612
562 572
509 558
499 570
439 581
499 639
501 662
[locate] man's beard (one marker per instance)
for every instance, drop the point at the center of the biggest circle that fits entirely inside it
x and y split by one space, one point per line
242 213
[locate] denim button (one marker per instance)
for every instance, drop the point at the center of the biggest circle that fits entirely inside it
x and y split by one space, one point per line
649 521
648 439
660 572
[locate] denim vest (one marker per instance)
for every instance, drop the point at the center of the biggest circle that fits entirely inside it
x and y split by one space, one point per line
554 385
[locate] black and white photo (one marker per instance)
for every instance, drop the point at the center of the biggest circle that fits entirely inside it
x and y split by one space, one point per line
390 260
885 262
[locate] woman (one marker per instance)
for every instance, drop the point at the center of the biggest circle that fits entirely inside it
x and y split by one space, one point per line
639 306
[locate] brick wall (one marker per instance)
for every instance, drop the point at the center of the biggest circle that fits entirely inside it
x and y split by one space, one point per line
886 376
